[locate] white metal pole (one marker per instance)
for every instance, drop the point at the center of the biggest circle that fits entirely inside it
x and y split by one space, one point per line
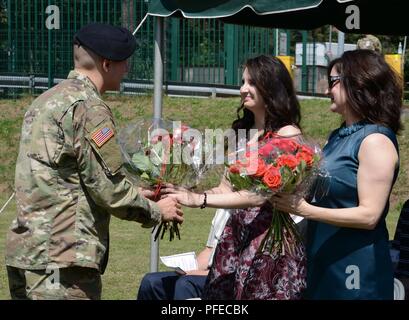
157 114
341 42
403 56
158 69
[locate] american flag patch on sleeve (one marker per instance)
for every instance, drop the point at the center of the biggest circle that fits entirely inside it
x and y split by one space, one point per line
102 135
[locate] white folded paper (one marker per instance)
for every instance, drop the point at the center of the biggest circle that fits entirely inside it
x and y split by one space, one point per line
181 262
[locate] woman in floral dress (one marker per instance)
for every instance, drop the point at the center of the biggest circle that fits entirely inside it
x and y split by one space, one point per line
240 270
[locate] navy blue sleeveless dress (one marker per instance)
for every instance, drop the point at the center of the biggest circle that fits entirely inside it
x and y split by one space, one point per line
348 263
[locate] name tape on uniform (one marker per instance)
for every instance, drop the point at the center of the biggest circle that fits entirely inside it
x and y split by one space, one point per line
101 136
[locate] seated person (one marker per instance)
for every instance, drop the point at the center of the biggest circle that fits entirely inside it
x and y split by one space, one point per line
401 244
170 285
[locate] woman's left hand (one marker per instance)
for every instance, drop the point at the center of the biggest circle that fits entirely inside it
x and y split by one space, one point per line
291 203
182 195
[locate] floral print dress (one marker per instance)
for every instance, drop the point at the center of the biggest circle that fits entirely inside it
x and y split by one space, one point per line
240 272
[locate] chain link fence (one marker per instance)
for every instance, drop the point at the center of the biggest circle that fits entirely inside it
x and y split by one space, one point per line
203 52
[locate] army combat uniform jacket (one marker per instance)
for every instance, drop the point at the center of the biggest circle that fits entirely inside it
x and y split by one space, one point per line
69 181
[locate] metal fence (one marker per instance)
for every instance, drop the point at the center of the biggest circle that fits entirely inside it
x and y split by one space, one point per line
203 51
29 47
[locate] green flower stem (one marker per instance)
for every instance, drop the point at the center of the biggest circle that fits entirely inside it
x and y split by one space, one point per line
279 235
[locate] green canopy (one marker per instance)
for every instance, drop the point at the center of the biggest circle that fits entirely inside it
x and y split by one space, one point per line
383 17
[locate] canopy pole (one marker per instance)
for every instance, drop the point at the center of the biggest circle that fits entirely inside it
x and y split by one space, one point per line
304 71
158 69
157 114
341 42
403 57
140 24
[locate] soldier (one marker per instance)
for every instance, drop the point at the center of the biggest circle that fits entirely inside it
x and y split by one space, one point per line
370 42
69 179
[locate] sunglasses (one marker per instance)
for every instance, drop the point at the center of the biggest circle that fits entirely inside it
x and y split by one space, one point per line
332 81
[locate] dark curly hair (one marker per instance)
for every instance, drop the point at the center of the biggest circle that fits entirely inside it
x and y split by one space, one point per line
373 90
275 85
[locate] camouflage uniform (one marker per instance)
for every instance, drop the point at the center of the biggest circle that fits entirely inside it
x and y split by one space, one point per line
74 283
69 181
370 42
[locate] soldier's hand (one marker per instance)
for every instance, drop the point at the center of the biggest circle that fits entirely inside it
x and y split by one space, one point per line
171 210
147 193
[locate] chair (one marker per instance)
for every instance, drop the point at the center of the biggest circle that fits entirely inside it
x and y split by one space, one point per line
398 290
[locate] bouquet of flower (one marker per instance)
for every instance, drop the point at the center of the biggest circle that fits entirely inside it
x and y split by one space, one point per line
159 152
276 164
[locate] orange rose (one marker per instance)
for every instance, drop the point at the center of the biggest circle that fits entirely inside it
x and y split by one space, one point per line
307 150
307 157
261 168
272 178
287 160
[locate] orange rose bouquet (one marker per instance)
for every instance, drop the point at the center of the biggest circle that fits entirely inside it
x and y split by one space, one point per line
276 164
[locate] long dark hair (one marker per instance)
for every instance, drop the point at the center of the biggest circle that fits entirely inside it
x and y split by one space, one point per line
373 90
275 85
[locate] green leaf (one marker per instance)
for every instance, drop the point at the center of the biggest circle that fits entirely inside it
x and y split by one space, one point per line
145 176
156 154
302 166
142 162
240 182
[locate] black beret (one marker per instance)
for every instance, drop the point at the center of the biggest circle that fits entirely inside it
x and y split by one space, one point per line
110 42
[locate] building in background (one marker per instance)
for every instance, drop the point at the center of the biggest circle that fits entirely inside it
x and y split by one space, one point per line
318 56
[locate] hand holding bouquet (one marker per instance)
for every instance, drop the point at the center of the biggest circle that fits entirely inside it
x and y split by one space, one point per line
163 152
276 164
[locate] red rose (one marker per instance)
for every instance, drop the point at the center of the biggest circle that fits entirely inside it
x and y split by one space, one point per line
249 164
285 145
287 160
235 168
178 133
272 178
166 138
266 150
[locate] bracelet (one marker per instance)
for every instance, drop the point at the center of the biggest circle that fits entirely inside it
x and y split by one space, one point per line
204 204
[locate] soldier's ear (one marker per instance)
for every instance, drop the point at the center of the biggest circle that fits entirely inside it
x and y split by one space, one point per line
106 64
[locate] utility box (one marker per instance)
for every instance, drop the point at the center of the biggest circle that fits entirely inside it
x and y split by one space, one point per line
289 64
395 61
316 58
319 53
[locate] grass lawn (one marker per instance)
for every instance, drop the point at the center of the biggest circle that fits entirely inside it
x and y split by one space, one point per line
130 248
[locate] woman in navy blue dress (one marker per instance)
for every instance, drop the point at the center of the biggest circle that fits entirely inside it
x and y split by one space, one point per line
347 241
